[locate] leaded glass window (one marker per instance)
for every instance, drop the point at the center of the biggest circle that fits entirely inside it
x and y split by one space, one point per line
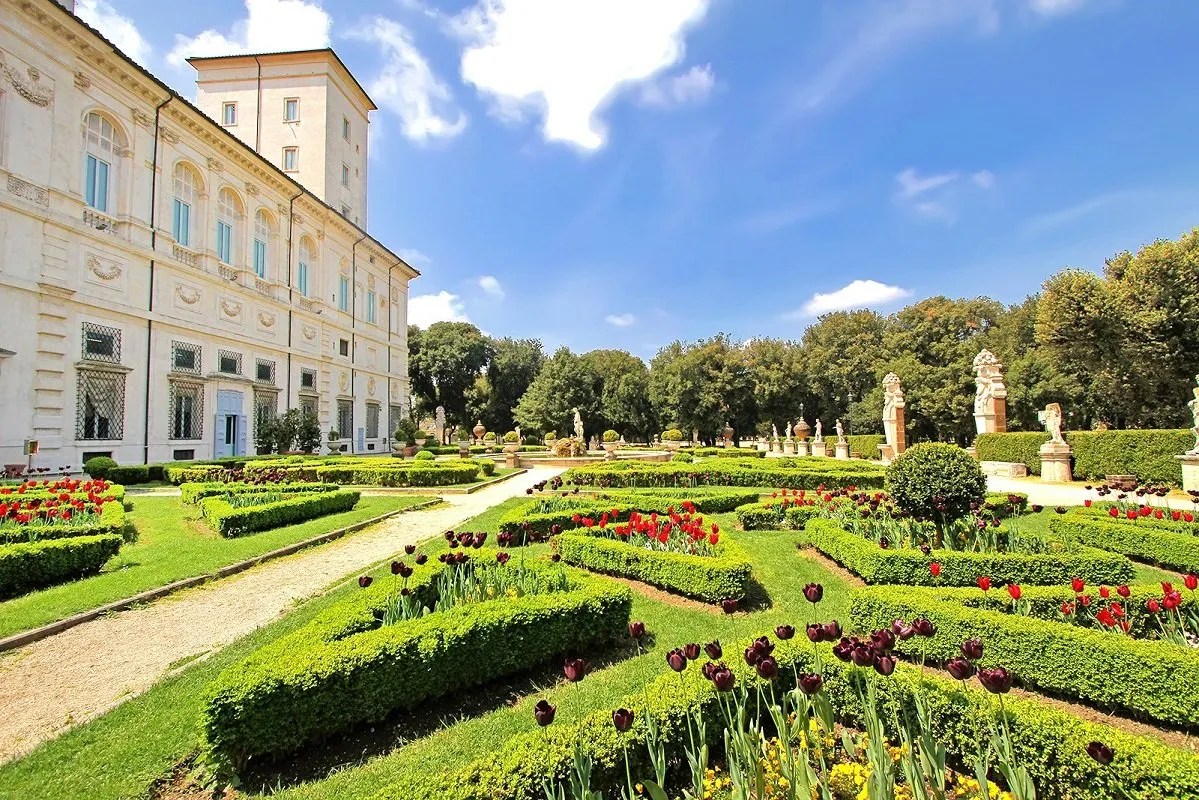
101 343
186 410
100 405
372 420
265 404
345 418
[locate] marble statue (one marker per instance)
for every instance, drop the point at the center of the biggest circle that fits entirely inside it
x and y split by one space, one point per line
578 425
840 431
990 395
774 429
519 440
789 427
893 405
819 431
1194 406
1051 418
439 424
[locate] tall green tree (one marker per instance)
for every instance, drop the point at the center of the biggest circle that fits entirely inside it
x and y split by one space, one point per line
703 385
841 359
513 367
621 383
564 383
443 364
780 384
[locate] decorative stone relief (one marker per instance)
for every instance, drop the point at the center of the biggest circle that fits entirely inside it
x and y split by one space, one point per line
187 294
105 270
27 86
320 236
344 381
309 332
141 118
370 386
266 320
230 308
252 189
296 218
395 295
170 136
215 165
395 388
370 282
282 209
82 81
32 193
123 152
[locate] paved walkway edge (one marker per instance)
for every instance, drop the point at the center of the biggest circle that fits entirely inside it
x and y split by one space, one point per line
18 640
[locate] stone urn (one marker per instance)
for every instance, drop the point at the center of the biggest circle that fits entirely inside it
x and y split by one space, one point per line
671 445
479 431
727 433
802 430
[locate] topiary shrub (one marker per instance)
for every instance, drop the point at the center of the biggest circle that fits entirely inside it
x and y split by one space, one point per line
682 458
611 436
424 455
936 481
99 466
672 435
511 438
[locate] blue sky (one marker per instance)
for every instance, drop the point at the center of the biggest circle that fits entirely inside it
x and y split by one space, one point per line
622 173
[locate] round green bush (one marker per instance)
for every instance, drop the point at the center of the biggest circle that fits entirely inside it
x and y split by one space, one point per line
672 435
936 481
611 436
424 455
99 466
682 458
551 436
510 437
489 436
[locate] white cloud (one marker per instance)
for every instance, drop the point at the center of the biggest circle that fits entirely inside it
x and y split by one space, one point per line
415 257
912 185
983 179
491 285
269 26
407 86
118 29
425 309
566 60
856 294
938 196
691 86
620 320
1051 8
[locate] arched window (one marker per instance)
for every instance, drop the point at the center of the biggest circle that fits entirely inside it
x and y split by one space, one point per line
307 253
228 216
187 195
102 141
264 231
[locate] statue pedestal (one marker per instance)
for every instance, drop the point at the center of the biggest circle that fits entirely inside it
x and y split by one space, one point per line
776 445
788 446
1190 471
764 445
512 459
818 449
973 451
842 450
887 453
1055 463
803 448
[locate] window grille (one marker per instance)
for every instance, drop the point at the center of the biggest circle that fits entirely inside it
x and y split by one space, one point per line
229 362
372 420
264 371
345 419
186 357
100 405
307 379
186 410
101 343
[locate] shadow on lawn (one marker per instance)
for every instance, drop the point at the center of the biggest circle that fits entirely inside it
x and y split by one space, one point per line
358 746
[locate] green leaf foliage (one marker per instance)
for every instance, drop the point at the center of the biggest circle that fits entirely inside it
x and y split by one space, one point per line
230 521
935 481
24 567
801 473
1173 548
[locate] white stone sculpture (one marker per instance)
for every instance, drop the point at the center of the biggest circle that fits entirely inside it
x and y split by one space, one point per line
1051 418
893 405
990 395
1194 406
578 425
840 431
819 430
439 424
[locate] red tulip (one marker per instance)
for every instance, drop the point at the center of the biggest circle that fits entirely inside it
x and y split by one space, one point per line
1067 609
935 569
1078 585
1123 590
984 583
1104 592
1115 512
1013 589
1191 581
1153 606
1106 619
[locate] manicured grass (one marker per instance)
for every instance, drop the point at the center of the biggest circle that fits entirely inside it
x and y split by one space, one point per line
1039 524
172 544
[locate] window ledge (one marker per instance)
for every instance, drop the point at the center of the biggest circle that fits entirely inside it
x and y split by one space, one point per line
102 366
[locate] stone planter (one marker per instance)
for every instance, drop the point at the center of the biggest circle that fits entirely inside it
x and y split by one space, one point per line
610 450
672 446
421 442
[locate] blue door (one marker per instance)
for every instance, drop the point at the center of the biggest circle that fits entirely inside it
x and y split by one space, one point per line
230 424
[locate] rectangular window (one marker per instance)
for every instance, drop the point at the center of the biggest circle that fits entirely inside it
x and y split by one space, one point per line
345 128
393 420
100 405
343 346
308 406
371 306
228 362
96 190
224 242
185 357
260 258
343 293
345 175
186 410
181 223
291 109
307 379
345 211
265 404
264 371
101 343
372 420
291 159
229 114
345 418
183 455
302 279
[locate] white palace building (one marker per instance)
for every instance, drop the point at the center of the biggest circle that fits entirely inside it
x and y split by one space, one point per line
171 273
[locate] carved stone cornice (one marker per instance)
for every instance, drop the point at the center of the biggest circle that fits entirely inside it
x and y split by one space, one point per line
28 191
27 85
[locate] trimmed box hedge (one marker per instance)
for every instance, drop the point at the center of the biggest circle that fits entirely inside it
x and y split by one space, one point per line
230 522
780 473
1144 539
724 452
192 493
911 567
1148 454
772 515
708 578
1050 742
110 520
345 669
1150 679
866 444
29 566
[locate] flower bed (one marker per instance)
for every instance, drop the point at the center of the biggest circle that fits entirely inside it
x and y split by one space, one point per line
345 668
958 568
73 488
1152 679
1050 742
192 493
1164 542
779 513
24 567
805 473
238 514
356 472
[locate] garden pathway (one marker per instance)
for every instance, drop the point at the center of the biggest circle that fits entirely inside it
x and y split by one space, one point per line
1068 494
52 685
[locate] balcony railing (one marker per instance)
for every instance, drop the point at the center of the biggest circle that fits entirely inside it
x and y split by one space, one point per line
101 222
182 254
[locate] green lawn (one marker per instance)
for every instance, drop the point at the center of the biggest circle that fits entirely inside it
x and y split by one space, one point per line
172 544
123 752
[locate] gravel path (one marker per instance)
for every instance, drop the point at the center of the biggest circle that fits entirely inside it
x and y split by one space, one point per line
67 679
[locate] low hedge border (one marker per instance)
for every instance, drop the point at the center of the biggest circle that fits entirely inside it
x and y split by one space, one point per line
707 578
1140 540
193 473
231 522
827 472
111 520
911 567
25 567
343 669
724 452
1148 454
115 491
772 515
1050 742
1156 680
192 493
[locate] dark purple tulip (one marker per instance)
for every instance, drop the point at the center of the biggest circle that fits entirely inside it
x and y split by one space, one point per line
365 581
767 668
409 549
421 559
708 669
728 605
405 592
480 538
810 683
882 639
622 719
815 632
814 593
784 632
960 668
972 649
832 631
449 536
752 656
691 650
636 630
714 650
575 669
555 558
924 627
763 645
924 548
677 660
843 649
543 712
884 665
502 558
395 567
996 680
1101 753
902 630
723 679
862 655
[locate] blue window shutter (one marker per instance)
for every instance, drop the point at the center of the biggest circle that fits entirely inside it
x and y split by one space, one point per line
101 186
89 188
260 258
